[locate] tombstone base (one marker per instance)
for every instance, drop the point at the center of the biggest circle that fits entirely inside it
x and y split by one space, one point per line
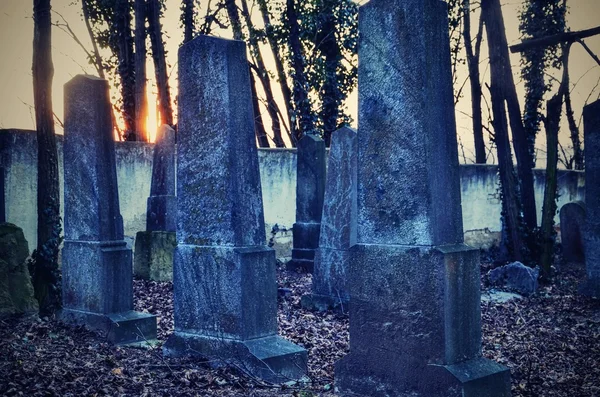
306 242
125 328
270 358
153 258
475 378
322 303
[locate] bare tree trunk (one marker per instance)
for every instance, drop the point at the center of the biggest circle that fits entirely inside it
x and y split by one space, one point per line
263 75
236 27
281 75
188 20
122 30
512 238
474 79
496 33
578 158
141 101
45 270
160 63
328 46
300 82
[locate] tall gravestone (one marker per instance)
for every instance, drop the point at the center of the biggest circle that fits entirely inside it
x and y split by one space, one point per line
415 320
591 117
225 289
338 226
2 199
96 264
154 247
572 226
310 192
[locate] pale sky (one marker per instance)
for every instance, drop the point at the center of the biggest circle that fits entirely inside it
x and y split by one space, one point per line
16 36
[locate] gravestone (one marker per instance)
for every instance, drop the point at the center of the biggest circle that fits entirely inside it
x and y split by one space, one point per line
310 192
415 320
154 247
572 225
225 289
2 198
591 118
96 264
338 226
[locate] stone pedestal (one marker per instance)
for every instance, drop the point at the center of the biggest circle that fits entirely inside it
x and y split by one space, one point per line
154 255
97 268
224 276
2 193
310 192
591 118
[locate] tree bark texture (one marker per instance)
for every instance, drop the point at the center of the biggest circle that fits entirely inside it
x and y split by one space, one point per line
126 69
188 20
160 63
141 101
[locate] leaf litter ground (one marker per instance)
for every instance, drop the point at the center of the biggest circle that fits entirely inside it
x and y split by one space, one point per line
550 341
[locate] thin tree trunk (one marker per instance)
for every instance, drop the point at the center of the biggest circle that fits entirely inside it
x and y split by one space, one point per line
474 79
263 75
512 238
300 82
45 272
499 57
578 158
188 20
126 69
236 27
141 101
281 75
328 46
160 63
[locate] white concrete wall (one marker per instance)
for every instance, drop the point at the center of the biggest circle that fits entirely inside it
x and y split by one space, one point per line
479 187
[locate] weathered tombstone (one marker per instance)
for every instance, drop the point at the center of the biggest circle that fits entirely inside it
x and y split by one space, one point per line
310 192
591 117
338 226
572 225
96 264
415 320
2 202
154 247
225 289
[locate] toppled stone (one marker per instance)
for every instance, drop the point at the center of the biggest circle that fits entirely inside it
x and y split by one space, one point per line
497 296
517 277
16 290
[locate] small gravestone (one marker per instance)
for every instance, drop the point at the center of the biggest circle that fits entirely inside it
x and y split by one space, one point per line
516 277
415 315
310 192
572 225
338 226
154 248
16 291
591 117
224 276
96 264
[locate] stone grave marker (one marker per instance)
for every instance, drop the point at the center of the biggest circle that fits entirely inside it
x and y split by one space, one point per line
154 248
415 320
572 225
310 192
96 264
225 289
338 226
2 198
591 119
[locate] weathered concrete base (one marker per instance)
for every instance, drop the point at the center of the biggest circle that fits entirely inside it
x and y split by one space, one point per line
414 312
306 242
475 378
129 327
329 290
271 358
153 259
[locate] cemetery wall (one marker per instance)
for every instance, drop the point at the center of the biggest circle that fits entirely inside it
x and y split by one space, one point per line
18 155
